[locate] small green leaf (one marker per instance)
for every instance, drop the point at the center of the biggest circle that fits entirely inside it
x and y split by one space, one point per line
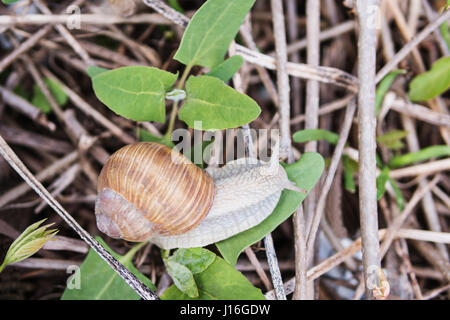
215 105
398 195
314 135
175 5
382 178
99 282
39 100
93 71
350 167
184 263
227 69
146 136
384 86
432 83
445 33
20 91
182 278
305 173
195 259
135 92
210 32
392 139
28 243
419 156
219 281
9 1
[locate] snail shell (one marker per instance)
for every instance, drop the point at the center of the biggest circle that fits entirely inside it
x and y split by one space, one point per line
148 191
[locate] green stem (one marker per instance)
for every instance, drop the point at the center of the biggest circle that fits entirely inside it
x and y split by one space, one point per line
174 112
2 266
130 254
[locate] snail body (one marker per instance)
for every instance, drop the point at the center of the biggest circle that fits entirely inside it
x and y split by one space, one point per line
148 191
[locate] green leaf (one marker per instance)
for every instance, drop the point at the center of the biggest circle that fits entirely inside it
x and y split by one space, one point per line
30 241
398 194
20 91
216 105
9 1
384 86
305 173
39 100
219 281
182 278
146 136
392 139
100 282
419 156
210 32
227 69
184 263
175 5
93 71
314 135
432 83
135 92
445 33
350 167
382 178
195 259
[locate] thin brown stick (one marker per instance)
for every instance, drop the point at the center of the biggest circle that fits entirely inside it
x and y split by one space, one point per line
367 143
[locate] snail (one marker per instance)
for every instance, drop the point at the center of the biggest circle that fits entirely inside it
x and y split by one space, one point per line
149 192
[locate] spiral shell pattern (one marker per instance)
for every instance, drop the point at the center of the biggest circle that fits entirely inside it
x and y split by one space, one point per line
156 182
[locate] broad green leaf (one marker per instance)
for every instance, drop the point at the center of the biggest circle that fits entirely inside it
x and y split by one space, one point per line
381 182
305 173
210 32
392 139
314 135
135 92
9 1
93 71
100 282
182 278
419 156
215 105
195 259
40 101
227 69
384 86
146 136
219 281
350 167
432 83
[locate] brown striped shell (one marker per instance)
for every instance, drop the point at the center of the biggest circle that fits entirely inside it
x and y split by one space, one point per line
147 189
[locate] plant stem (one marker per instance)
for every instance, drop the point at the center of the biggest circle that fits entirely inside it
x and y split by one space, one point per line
130 254
2 266
174 112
